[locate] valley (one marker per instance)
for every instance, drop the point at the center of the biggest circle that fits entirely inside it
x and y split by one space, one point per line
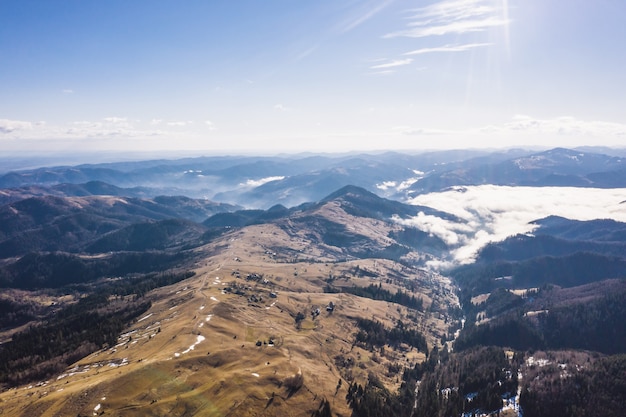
197 344
351 304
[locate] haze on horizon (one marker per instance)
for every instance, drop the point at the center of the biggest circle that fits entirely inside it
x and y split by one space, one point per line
320 76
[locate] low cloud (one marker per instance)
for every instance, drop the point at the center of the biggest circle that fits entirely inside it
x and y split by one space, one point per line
115 119
180 123
565 125
9 126
259 182
491 213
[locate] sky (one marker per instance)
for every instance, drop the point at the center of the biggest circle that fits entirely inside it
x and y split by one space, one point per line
274 76
490 213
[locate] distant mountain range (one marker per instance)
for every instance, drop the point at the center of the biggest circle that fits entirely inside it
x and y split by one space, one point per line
297 273
75 224
261 182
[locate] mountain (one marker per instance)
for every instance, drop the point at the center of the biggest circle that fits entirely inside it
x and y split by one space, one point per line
272 321
50 223
341 237
261 182
556 167
163 234
560 252
557 236
165 305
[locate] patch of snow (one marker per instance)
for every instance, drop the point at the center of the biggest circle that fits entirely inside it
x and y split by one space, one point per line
255 374
199 340
531 361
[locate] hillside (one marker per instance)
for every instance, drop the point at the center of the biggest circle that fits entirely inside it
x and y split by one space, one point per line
262 182
74 224
134 305
555 167
266 326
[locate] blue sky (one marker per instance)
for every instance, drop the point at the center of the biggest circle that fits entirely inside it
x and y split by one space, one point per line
310 75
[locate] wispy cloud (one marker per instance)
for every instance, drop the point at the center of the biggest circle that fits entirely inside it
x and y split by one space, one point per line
306 52
464 26
67 91
180 123
363 15
452 17
566 126
384 72
521 128
393 64
448 48
408 130
447 10
115 119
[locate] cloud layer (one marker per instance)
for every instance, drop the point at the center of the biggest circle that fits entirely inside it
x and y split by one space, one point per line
492 213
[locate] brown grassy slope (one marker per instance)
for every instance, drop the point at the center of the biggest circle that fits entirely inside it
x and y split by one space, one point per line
194 353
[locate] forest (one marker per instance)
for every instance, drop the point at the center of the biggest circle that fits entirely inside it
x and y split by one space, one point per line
57 269
373 333
47 347
376 292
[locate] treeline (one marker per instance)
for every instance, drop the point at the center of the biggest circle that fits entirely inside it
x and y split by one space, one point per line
597 390
141 284
522 247
46 349
13 314
466 382
501 300
374 400
55 270
77 330
448 385
598 325
377 292
157 235
374 334
567 271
